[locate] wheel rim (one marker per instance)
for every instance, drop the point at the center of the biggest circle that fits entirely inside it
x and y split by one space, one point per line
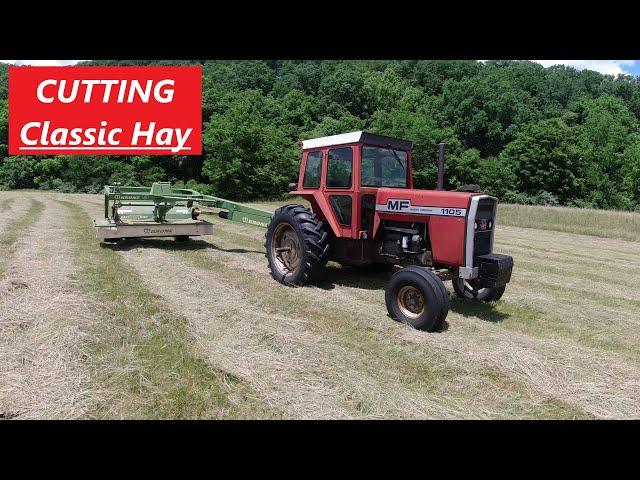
411 301
285 249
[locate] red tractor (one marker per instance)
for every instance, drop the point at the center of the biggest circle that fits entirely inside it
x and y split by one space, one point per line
365 211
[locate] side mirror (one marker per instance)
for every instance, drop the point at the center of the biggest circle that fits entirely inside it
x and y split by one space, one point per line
293 186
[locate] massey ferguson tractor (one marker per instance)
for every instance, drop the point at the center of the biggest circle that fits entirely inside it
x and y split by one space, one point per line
364 213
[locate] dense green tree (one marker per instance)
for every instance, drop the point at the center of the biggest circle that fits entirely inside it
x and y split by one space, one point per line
491 174
345 86
543 157
246 154
303 75
18 172
523 132
606 125
482 110
4 129
4 81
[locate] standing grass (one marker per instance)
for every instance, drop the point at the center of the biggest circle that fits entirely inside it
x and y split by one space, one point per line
144 354
585 221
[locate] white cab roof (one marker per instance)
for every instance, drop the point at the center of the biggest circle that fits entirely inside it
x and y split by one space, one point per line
355 137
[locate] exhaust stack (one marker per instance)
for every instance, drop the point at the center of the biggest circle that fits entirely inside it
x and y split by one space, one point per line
441 166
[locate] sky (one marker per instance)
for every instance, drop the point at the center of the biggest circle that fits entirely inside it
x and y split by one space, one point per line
608 67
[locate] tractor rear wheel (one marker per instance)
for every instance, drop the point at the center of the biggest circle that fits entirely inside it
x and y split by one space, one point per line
297 245
417 297
466 289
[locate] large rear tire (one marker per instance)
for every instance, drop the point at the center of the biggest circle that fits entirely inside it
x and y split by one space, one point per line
297 245
417 297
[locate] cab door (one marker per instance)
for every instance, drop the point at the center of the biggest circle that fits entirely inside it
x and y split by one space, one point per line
339 188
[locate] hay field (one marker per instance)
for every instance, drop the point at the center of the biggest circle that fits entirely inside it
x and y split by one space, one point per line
159 329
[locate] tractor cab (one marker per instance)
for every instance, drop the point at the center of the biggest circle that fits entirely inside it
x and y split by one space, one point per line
342 174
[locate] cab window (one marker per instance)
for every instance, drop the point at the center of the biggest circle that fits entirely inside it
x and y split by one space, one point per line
383 167
312 170
339 168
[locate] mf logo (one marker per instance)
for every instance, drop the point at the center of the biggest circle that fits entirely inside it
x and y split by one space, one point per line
398 205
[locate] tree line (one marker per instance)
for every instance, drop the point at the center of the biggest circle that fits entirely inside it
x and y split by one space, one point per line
525 133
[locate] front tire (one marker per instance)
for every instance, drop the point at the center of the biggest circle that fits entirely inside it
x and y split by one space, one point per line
470 291
417 297
297 245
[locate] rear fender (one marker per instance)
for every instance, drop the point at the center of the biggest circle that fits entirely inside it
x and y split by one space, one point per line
320 206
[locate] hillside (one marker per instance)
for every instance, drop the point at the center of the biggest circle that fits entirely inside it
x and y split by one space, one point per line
532 135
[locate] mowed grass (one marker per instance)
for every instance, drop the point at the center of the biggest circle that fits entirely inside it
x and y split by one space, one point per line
570 292
585 221
144 356
201 330
11 233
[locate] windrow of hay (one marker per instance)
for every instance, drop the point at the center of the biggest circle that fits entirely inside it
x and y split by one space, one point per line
318 353
43 319
143 353
586 349
562 343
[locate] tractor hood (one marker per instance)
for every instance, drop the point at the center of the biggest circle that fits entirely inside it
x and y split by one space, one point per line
444 213
423 202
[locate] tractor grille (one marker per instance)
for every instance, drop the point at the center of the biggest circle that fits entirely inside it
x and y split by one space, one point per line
482 243
485 221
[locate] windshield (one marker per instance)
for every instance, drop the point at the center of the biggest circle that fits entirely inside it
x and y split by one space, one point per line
383 167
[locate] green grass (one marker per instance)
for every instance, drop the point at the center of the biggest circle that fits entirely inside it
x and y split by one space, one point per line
599 223
144 354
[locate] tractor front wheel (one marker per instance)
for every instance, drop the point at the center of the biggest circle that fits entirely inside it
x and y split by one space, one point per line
417 297
297 245
469 290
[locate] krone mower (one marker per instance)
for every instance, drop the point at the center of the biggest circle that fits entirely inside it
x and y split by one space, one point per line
164 211
364 213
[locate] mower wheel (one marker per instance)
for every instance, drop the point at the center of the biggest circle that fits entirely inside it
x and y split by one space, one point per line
466 289
417 297
297 245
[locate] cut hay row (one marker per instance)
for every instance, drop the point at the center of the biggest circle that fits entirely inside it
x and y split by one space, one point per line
147 360
43 321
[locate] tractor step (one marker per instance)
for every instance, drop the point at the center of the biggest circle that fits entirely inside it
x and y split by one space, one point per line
109 229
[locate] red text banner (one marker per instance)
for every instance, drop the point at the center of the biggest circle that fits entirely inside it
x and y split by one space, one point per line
105 110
